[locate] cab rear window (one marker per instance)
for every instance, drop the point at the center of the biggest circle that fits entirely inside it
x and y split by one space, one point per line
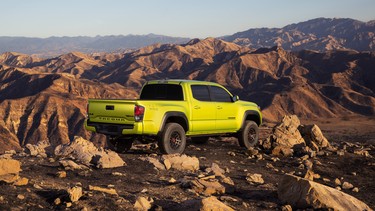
162 92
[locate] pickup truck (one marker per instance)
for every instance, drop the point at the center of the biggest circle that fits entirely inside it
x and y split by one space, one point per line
171 111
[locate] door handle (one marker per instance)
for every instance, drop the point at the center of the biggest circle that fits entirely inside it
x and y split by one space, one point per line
197 107
219 107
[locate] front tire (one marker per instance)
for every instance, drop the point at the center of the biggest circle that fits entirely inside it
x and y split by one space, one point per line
173 139
249 136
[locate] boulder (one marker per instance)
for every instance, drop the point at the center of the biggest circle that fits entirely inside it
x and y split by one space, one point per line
155 162
207 187
9 170
41 149
182 162
86 153
313 137
302 194
107 159
212 203
285 136
286 133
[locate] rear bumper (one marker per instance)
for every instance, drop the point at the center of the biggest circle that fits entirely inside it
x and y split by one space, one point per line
114 129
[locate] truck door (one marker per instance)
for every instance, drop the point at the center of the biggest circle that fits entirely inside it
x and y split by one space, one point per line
203 110
226 109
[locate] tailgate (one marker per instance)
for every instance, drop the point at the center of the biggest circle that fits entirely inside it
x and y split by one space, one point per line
111 111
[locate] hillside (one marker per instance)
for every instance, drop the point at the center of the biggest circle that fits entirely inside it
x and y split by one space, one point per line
45 99
321 34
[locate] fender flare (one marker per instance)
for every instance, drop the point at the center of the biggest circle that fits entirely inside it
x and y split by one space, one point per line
178 114
251 113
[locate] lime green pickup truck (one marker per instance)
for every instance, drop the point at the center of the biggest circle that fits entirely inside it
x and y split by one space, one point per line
169 111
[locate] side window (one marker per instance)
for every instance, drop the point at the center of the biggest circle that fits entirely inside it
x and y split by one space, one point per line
162 92
220 95
200 92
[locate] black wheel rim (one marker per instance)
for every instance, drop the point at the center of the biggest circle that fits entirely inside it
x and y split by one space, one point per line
175 140
252 136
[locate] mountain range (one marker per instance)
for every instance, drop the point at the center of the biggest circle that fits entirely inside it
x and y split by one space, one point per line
319 34
45 99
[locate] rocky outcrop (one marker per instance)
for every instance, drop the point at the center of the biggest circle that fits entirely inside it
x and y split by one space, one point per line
289 138
303 194
86 153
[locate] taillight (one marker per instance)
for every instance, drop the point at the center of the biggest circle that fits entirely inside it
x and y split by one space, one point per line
138 113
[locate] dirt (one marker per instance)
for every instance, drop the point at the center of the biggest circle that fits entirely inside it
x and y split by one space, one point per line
140 178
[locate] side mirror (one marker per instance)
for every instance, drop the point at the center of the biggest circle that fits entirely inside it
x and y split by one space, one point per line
235 98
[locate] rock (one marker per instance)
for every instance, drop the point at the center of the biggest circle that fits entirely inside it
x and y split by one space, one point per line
155 162
167 164
254 179
362 152
303 194
314 137
347 185
282 150
104 190
309 175
57 201
212 203
356 190
143 203
286 133
286 208
207 187
68 204
20 196
107 159
252 152
21 181
74 193
86 153
41 149
182 162
228 198
9 170
118 174
337 182
61 174
217 170
308 164
71 165
231 153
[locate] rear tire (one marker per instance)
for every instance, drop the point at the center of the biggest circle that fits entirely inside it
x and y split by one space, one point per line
249 136
172 140
121 145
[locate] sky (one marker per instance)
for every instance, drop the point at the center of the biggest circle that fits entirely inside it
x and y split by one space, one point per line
191 19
